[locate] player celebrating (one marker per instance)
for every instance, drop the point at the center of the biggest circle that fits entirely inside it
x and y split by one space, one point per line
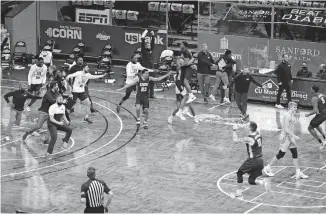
288 141
255 163
36 79
132 69
78 88
319 108
142 93
181 100
55 123
48 99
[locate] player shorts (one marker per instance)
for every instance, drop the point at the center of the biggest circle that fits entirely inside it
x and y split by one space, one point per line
317 120
253 166
35 88
143 101
180 94
186 73
131 89
81 96
287 142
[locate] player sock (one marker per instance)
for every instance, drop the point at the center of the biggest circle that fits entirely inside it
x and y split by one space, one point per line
319 140
258 181
298 171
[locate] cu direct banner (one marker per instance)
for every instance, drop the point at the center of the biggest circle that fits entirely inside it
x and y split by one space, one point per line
123 39
301 90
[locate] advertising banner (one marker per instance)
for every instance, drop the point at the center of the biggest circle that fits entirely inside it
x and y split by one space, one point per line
99 17
312 53
301 90
247 51
124 40
305 16
257 52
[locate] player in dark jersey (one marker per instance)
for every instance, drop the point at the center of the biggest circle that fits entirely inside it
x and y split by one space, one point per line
255 163
142 96
319 108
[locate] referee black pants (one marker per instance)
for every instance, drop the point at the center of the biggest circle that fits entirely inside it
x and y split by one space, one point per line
94 209
287 88
53 129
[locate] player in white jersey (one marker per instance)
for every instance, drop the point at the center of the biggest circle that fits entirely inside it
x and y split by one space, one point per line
288 141
46 54
78 87
36 79
132 70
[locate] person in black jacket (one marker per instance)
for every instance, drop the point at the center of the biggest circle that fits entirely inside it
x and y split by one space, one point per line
205 61
19 98
242 83
285 80
147 57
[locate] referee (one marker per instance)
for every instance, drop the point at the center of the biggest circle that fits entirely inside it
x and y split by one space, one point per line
285 80
92 194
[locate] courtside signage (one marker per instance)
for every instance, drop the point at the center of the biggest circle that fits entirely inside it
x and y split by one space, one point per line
134 38
99 17
64 32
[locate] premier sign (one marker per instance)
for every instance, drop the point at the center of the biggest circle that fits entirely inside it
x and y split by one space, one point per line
99 17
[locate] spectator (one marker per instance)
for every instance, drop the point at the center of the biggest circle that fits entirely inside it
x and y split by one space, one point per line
304 72
285 80
322 72
205 61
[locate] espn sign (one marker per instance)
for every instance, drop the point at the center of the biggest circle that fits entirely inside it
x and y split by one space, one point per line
99 17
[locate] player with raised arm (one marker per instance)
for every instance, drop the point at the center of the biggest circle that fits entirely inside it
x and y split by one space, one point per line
288 141
319 109
142 97
132 69
255 163
78 87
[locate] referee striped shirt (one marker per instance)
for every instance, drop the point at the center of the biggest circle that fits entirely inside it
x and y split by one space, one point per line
93 190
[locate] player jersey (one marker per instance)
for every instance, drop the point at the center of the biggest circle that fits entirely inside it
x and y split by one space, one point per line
255 151
132 70
80 82
321 104
143 87
37 75
291 123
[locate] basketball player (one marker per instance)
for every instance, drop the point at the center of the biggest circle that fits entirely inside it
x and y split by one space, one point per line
132 69
142 97
185 63
288 141
78 88
181 100
255 163
36 79
319 109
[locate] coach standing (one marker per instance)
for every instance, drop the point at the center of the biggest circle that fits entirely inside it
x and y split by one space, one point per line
242 83
205 61
92 194
285 80
147 57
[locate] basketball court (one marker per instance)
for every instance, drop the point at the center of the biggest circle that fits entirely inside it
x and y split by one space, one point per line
184 167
